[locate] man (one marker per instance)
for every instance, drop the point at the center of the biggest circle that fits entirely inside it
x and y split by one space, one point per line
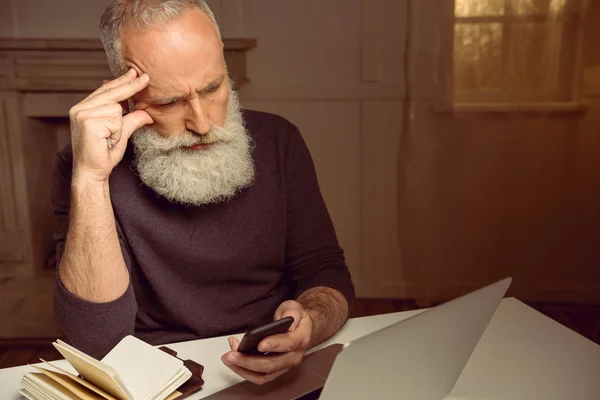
181 216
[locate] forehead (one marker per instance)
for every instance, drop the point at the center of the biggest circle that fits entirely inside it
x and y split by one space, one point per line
177 55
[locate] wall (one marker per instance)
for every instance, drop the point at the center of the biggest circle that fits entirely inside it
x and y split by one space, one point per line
426 204
487 195
335 69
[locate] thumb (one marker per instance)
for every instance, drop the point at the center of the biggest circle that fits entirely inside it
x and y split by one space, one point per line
133 121
290 310
297 315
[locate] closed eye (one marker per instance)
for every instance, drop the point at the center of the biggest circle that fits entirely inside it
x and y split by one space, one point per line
169 104
212 89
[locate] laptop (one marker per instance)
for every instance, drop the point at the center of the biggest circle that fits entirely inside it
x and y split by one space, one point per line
419 358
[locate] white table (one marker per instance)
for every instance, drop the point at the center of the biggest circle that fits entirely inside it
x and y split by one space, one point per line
522 355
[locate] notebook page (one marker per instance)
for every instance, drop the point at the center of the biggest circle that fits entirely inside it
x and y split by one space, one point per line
175 383
92 370
143 369
42 387
82 382
71 385
174 395
28 395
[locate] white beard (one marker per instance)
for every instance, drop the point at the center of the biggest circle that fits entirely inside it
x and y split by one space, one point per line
214 174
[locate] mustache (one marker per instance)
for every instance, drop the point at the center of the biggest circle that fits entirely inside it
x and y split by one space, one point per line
167 143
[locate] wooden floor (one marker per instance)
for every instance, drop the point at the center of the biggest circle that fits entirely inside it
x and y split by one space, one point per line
584 319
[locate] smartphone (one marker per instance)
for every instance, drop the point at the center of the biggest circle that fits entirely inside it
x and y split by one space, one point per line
250 341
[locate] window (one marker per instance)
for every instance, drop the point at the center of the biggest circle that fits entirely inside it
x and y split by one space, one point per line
515 51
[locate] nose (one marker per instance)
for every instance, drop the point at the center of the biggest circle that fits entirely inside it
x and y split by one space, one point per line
197 119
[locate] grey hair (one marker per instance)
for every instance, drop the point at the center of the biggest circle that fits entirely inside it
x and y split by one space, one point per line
141 14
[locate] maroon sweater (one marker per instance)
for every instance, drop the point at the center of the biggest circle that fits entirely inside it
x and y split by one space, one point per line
198 272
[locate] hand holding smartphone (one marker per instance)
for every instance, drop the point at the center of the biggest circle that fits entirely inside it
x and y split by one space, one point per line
250 341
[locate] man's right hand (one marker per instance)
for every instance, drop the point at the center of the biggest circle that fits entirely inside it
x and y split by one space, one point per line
99 117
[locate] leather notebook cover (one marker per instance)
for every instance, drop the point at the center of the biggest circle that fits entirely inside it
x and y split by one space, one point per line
304 379
195 383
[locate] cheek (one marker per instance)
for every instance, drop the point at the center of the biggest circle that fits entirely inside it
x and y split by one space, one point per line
171 122
218 109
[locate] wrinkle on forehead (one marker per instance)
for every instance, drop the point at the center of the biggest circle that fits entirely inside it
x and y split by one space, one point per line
180 56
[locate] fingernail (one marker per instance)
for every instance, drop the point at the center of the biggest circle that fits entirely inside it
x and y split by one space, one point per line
232 358
230 340
143 77
266 347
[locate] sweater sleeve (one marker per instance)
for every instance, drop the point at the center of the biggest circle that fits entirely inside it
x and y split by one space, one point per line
313 254
94 328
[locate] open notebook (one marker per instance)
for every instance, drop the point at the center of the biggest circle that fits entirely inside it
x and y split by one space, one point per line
132 370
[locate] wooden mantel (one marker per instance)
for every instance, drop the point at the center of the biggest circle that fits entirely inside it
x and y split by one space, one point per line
39 81
69 65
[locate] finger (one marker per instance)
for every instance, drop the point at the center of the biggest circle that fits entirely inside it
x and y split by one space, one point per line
118 93
124 104
127 76
105 121
234 343
99 130
284 307
95 129
279 312
130 75
293 312
254 377
130 123
134 121
113 110
263 364
282 343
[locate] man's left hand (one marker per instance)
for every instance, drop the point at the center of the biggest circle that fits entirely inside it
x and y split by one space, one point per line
285 350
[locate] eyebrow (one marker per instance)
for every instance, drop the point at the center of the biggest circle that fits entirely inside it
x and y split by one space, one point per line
170 99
